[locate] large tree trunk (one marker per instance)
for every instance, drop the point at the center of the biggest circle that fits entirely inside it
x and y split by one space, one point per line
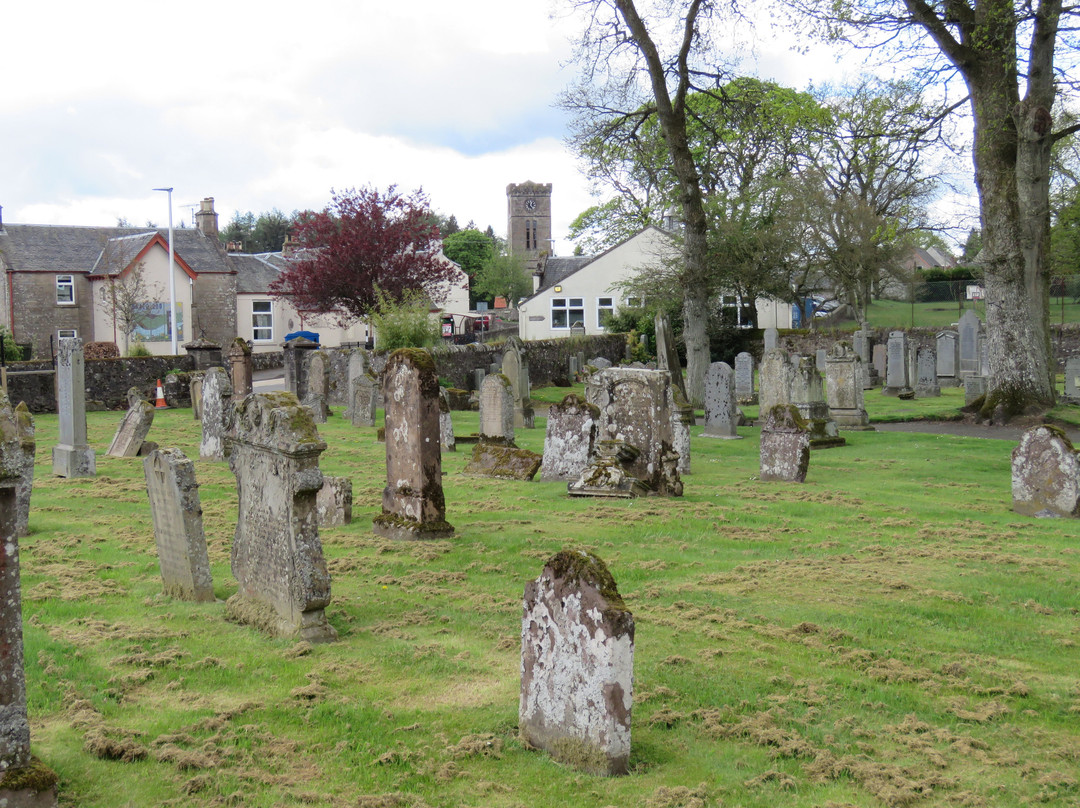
696 339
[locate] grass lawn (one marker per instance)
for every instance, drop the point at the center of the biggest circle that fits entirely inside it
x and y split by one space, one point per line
887 634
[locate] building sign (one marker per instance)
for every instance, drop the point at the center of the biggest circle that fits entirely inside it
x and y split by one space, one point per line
153 325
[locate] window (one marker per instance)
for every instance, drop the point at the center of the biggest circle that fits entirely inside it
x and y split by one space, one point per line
65 290
531 241
634 302
262 320
605 308
734 311
67 333
567 311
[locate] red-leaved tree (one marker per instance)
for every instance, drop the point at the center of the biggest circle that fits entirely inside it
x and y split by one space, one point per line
364 240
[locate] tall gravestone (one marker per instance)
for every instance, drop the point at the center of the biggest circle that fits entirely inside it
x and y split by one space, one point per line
775 376
880 360
785 445
1072 380
497 408
808 396
277 558
863 346
634 407
413 506
25 487
129 437
446 423
570 438
844 380
577 665
296 353
516 369
772 339
744 379
682 418
357 367
318 380
969 329
72 456
178 526
667 356
897 380
1046 474
217 403
926 379
240 368
948 358
195 382
721 411
364 395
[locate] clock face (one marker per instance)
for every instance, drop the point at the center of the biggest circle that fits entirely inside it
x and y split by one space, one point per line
530 204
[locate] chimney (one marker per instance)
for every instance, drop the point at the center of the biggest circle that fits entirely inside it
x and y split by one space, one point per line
288 249
206 218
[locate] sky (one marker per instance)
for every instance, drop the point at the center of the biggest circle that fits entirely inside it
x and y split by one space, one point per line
265 109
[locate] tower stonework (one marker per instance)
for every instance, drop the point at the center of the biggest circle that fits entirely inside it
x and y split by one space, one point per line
528 225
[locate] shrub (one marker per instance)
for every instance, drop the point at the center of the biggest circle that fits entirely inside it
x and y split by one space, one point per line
138 348
406 323
101 350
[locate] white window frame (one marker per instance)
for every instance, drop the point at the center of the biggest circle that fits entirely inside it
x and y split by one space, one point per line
567 306
255 328
736 302
65 282
602 308
67 333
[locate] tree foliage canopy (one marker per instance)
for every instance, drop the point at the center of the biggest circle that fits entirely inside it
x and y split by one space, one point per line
365 240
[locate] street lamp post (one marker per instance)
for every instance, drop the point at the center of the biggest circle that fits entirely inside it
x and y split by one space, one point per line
172 277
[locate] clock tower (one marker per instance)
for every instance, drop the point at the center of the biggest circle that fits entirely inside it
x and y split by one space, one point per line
528 226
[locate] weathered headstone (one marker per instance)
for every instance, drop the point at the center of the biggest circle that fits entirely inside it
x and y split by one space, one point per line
317 385
572 368
447 440
634 407
364 394
600 362
808 396
413 506
178 526
134 396
1046 474
775 376
863 344
682 418
820 355
516 369
14 723
667 356
720 406
296 352
609 473
357 368
195 386
785 445
926 383
497 408
217 403
72 456
772 339
984 354
577 665
969 329
744 378
974 388
277 559
880 360
570 438
478 378
334 502
897 380
948 358
502 462
1072 380
24 488
240 370
844 379
133 430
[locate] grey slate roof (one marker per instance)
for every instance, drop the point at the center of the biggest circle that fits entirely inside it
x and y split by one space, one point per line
255 272
556 270
77 250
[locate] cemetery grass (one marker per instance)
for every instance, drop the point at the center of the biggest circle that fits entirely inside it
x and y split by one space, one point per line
887 634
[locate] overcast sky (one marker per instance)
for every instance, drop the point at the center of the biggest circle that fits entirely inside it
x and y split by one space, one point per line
262 109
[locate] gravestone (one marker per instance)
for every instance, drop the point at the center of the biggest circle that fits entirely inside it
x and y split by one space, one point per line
516 369
772 339
178 525
577 665
775 376
570 438
25 487
1046 474
478 378
863 345
72 456
1072 380
217 405
926 383
14 722
195 387
609 473
808 396
129 437
969 329
413 506
502 461
948 358
296 352
820 355
880 360
744 379
317 387
785 445
134 396
497 408
720 407
357 368
239 358
333 503
572 368
446 423
897 380
844 379
277 558
984 354
974 388
682 418
600 362
667 356
365 393
635 407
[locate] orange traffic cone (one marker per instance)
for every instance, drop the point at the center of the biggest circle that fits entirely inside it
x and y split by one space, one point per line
161 404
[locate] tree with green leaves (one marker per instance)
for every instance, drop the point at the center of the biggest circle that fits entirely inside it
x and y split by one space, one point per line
503 275
470 249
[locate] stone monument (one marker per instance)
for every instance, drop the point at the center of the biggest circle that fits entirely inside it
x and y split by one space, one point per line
217 404
785 445
240 370
1046 474
570 438
72 456
129 437
721 411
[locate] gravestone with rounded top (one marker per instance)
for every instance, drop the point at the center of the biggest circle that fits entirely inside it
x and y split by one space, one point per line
497 408
365 394
926 378
1046 474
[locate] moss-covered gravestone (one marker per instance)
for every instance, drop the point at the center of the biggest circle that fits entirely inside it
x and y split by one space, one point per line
570 438
240 367
413 506
577 665
1046 474
277 556
785 445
